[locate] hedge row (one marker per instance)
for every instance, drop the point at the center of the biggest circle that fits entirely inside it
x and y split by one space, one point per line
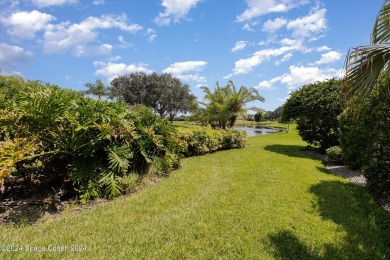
198 140
53 137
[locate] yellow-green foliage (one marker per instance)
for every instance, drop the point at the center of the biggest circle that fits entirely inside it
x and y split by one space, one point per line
200 140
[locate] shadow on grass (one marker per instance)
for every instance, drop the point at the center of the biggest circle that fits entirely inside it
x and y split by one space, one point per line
366 226
289 150
288 246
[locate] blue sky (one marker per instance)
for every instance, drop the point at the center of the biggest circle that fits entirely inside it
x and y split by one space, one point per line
273 45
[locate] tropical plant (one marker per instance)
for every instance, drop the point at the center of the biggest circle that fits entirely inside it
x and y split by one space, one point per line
225 104
92 144
366 64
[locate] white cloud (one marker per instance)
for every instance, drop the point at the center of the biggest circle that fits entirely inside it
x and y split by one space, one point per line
182 70
308 25
244 66
112 70
46 3
290 42
175 10
240 45
258 8
65 36
285 58
26 24
329 57
181 67
99 2
272 26
247 27
91 50
151 34
123 43
323 48
301 75
11 55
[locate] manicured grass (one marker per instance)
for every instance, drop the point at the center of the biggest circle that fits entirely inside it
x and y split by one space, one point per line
268 200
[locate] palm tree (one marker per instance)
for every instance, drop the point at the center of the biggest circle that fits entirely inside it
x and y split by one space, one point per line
364 65
225 104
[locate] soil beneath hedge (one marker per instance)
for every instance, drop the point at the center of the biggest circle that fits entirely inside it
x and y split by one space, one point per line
21 206
353 176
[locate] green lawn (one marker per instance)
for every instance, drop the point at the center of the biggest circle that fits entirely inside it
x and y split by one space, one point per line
268 200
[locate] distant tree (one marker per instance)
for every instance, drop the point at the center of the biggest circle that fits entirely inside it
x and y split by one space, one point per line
165 94
250 117
276 114
97 89
225 104
316 108
259 116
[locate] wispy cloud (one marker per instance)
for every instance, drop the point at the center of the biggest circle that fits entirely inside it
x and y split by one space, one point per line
301 75
271 26
175 11
329 57
10 55
240 45
257 8
47 3
306 26
112 70
187 70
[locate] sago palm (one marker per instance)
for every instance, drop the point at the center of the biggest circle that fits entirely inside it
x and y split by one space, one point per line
364 65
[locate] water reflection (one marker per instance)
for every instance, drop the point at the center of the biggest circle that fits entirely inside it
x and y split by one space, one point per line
252 131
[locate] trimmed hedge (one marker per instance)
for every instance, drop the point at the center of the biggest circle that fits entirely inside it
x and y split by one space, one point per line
199 140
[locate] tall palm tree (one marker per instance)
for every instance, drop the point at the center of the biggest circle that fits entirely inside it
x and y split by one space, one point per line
225 104
364 65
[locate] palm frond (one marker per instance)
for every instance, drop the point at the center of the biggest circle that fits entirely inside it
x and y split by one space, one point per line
381 31
364 65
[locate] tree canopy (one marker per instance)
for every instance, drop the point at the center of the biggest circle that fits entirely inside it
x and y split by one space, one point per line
97 89
316 108
165 94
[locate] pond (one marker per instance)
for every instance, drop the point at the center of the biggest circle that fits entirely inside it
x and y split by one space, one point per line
252 131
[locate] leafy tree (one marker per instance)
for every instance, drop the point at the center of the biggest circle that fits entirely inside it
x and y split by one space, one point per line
225 104
258 116
316 108
250 117
97 89
366 64
276 114
165 94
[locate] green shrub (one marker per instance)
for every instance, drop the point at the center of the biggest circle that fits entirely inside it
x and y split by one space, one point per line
199 140
316 108
365 139
91 143
335 154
